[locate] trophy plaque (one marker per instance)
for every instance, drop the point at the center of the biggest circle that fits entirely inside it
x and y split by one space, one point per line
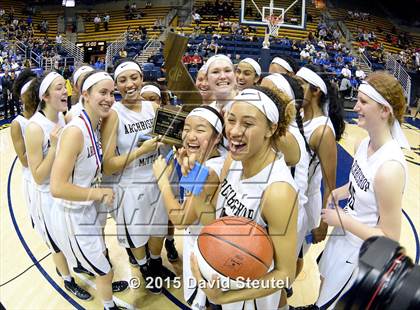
169 120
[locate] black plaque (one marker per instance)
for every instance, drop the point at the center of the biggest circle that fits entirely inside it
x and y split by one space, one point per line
169 124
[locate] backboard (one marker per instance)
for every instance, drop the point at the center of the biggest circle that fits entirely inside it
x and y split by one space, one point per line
253 11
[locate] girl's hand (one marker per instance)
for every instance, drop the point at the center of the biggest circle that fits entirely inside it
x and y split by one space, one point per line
213 292
334 216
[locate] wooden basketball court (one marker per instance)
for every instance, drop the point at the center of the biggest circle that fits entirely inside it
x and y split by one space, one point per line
41 288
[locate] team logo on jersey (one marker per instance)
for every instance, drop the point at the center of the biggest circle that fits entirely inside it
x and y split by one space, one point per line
360 179
233 205
139 126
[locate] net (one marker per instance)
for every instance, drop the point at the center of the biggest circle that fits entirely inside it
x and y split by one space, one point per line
274 23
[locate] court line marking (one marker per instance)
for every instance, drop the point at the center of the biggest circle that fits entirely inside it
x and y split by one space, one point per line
117 301
28 250
73 302
167 294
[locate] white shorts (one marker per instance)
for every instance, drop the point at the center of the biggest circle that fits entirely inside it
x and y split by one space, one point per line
337 265
28 188
313 210
313 216
102 211
302 229
79 235
197 302
139 213
42 208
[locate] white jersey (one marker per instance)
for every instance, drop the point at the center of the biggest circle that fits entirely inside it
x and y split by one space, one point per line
47 126
315 173
190 237
130 127
76 109
242 197
300 175
362 203
300 170
88 163
23 122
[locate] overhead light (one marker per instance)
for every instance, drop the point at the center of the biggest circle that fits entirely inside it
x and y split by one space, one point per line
69 3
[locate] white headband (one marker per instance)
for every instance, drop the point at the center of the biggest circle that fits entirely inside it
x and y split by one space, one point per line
283 63
95 78
209 116
25 87
396 130
261 101
282 84
217 57
204 68
129 65
312 78
46 82
79 72
150 88
254 65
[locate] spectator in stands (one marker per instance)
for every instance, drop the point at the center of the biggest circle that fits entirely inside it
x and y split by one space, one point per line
214 47
123 53
2 12
345 88
157 25
44 26
186 59
97 22
336 34
196 17
100 64
209 29
148 4
248 10
304 55
106 21
6 85
237 59
346 72
196 60
58 41
360 75
14 66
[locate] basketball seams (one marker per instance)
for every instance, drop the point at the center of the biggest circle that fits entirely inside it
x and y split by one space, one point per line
242 221
236 246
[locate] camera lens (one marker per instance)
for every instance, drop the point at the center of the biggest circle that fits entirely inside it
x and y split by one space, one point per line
389 280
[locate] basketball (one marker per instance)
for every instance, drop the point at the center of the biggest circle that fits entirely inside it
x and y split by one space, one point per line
234 247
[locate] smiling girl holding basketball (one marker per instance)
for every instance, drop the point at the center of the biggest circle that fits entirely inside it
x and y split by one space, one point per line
256 118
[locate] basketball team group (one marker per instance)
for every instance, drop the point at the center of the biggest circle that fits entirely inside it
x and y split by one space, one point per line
267 144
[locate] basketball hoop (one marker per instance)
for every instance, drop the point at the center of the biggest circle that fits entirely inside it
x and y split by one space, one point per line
274 23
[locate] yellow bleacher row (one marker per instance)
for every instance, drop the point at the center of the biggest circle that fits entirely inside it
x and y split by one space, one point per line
371 25
117 25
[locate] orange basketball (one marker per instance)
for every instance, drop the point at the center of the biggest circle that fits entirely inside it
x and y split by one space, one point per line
234 247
